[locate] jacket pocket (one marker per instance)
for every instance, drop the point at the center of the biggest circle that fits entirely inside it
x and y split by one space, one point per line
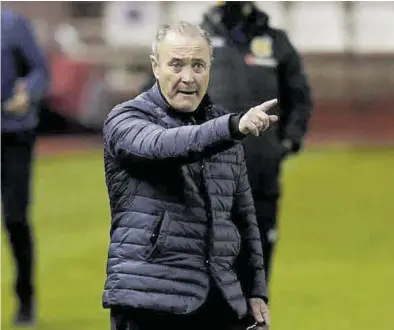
238 237
158 236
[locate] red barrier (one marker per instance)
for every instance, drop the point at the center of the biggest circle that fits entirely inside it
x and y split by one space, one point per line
70 78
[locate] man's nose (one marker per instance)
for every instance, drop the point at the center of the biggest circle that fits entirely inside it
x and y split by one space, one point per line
187 75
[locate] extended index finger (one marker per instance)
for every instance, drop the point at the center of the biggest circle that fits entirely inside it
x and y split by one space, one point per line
267 105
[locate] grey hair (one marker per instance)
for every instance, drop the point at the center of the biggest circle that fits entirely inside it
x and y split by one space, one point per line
183 28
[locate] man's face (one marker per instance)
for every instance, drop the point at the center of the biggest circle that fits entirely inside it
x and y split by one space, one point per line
182 69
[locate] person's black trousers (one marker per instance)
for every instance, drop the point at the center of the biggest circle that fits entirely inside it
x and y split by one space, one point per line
215 313
264 172
16 171
266 214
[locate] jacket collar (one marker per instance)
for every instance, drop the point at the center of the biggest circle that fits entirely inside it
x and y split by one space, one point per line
199 115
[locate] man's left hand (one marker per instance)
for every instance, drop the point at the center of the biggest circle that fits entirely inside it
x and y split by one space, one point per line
260 312
19 103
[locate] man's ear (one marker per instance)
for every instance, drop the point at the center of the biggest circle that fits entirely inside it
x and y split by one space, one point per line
155 66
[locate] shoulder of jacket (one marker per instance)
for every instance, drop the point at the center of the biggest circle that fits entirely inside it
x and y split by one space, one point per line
274 33
12 18
281 40
279 36
141 104
279 33
135 108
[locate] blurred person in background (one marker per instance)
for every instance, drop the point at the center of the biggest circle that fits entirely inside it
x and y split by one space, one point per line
254 63
185 248
24 81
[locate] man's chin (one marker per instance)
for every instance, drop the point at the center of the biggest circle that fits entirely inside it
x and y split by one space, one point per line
185 106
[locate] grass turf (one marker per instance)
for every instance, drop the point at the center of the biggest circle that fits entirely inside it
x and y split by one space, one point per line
334 266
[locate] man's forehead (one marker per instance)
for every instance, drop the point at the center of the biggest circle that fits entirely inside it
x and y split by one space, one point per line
179 44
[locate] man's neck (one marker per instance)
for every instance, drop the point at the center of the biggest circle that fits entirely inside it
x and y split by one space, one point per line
199 115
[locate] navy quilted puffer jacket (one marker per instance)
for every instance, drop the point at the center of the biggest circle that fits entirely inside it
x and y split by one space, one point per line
183 218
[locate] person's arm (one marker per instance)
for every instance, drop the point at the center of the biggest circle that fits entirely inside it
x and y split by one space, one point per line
296 97
250 264
128 134
37 79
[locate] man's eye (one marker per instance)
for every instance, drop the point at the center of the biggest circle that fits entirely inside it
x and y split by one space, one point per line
198 65
176 65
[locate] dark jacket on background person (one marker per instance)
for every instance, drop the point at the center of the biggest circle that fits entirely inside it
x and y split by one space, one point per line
182 209
253 63
21 57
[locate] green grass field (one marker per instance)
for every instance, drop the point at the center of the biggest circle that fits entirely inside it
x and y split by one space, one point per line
334 265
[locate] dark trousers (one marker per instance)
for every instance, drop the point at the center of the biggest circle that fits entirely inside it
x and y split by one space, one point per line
16 168
263 160
215 313
266 213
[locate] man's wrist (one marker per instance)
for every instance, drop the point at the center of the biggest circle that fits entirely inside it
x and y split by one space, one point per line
234 127
264 298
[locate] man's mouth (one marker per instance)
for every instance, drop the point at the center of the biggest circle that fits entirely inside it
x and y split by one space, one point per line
188 92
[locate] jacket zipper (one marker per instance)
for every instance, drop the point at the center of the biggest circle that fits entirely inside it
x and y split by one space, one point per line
203 184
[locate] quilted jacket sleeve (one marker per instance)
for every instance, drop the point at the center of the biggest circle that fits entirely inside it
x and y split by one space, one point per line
250 265
130 134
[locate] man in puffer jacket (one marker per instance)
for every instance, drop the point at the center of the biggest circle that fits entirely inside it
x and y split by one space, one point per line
185 247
